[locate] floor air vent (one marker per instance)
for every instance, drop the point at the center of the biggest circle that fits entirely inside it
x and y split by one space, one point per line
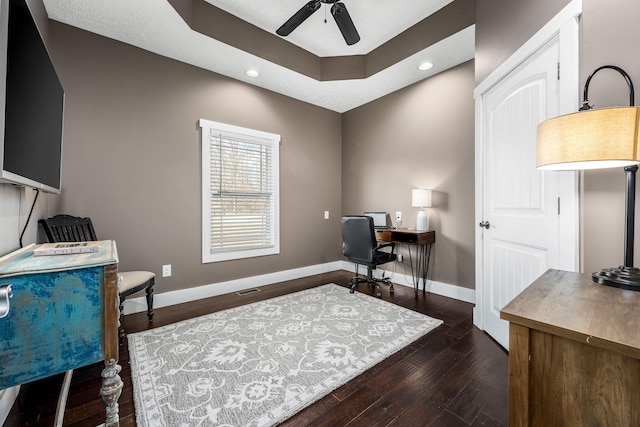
247 291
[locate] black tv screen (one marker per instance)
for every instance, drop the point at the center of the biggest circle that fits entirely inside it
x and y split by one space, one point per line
33 104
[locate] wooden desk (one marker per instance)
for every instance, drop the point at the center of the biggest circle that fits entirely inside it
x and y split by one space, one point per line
63 315
574 353
422 240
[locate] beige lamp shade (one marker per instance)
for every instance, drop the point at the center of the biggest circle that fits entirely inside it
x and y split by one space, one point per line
591 139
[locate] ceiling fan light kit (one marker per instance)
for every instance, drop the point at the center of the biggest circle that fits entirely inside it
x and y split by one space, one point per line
338 11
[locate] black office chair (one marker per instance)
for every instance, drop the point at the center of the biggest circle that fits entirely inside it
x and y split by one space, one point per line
360 247
67 228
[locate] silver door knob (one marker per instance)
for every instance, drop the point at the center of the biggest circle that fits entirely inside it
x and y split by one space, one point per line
485 224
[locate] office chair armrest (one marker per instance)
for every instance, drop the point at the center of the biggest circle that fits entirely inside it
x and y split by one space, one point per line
386 244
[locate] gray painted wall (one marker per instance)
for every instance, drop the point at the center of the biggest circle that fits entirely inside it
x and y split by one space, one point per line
132 158
418 137
609 33
503 26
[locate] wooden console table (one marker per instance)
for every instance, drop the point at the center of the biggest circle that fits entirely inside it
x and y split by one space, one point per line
422 240
574 353
63 315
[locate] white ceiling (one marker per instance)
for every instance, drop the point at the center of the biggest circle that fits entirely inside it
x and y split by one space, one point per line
377 21
155 26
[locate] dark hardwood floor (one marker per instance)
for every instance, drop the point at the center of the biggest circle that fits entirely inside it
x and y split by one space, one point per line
454 376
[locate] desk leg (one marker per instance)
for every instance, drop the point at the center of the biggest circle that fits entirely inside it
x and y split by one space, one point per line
414 274
110 392
421 271
111 381
425 266
423 256
419 266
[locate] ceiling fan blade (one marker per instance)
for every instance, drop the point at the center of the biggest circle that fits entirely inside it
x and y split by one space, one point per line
298 18
345 24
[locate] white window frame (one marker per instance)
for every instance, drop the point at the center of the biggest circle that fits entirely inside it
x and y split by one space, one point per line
209 254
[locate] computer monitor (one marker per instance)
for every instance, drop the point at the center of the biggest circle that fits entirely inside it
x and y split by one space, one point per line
379 219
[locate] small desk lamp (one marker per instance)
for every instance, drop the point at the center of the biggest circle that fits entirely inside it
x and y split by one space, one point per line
421 199
596 139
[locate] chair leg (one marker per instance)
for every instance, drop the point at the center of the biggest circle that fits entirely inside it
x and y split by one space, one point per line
354 281
150 299
365 279
121 326
388 282
371 280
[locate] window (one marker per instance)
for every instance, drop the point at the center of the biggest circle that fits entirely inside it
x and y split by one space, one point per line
240 201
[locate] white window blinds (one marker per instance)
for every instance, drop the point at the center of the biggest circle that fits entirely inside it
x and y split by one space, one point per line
240 204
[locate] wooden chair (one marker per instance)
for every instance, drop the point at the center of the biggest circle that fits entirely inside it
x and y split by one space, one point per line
67 228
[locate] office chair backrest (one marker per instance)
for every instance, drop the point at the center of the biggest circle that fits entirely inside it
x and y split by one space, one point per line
67 228
358 238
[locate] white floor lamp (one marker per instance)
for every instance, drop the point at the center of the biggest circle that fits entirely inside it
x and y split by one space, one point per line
421 198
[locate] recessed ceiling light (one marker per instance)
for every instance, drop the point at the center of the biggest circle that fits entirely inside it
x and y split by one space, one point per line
252 73
425 66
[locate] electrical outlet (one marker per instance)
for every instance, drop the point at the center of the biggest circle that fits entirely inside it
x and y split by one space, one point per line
399 216
166 270
326 214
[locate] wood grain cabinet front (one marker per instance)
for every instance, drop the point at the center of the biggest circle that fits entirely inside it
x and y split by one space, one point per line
574 353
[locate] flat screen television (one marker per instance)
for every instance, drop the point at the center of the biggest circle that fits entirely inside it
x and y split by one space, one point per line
31 103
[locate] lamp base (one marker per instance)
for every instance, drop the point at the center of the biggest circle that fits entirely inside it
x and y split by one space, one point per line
621 277
422 221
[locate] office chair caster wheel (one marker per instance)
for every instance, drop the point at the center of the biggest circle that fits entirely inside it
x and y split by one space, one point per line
391 290
379 294
352 291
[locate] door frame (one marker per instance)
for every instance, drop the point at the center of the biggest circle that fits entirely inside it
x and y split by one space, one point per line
565 25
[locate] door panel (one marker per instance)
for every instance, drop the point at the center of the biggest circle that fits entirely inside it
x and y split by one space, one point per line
523 239
514 267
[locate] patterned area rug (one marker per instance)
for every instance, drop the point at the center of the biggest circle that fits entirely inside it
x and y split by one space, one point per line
259 364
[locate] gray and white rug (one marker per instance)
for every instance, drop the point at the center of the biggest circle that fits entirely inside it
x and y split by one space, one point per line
259 364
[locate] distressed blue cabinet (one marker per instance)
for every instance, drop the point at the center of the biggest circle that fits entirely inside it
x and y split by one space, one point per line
63 315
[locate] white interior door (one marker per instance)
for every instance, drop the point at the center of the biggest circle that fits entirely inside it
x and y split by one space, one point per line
521 208
522 239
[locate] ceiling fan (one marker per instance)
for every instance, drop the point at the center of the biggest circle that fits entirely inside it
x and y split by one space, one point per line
339 12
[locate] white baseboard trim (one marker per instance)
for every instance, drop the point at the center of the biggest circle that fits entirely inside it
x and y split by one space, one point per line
139 304
435 287
7 398
451 291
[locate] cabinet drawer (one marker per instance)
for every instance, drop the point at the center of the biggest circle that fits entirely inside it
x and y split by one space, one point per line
55 324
